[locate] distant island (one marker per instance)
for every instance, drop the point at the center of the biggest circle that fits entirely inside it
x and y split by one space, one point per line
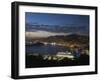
72 40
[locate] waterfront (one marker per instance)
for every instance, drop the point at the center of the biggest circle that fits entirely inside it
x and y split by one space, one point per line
49 54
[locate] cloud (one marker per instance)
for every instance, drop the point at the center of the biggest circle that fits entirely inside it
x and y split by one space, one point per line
37 34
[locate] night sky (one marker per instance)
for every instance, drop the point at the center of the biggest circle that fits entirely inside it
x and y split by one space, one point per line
56 19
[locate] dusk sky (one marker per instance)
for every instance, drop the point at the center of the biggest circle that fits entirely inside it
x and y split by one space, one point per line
57 19
66 24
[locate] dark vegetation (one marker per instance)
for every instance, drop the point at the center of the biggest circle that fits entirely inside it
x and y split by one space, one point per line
38 61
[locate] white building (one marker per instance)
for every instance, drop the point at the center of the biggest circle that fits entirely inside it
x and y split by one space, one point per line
65 54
